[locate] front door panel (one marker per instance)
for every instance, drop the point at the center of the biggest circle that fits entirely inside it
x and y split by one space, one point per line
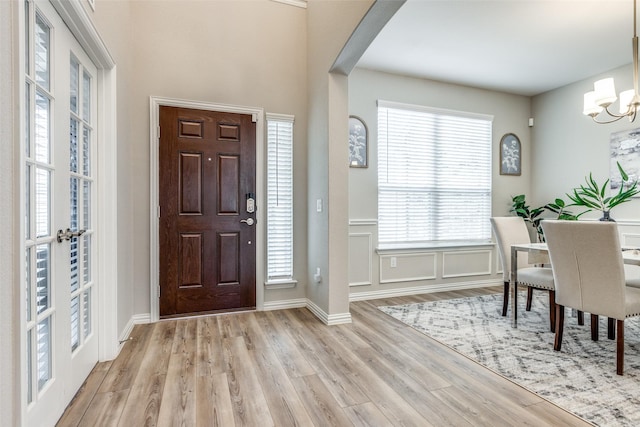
207 237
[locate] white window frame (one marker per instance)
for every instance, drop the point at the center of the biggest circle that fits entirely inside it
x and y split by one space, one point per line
406 213
279 193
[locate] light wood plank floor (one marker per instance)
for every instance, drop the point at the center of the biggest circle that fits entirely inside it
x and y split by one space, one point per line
285 368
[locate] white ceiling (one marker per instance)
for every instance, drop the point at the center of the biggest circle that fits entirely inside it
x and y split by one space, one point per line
524 47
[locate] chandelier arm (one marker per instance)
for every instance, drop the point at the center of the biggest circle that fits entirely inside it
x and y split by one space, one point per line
605 122
635 63
634 44
618 116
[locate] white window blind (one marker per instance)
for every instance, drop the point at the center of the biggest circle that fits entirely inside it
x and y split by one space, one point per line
279 197
434 175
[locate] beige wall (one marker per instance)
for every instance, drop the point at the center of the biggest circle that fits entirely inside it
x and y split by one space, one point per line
250 53
440 267
113 22
569 145
330 25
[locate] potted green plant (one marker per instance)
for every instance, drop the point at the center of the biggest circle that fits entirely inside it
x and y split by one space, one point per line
533 216
559 208
592 196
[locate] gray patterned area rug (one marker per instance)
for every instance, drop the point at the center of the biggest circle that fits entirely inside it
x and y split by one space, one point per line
581 378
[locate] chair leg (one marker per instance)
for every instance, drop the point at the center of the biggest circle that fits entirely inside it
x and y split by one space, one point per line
505 302
580 317
529 297
552 310
559 327
620 347
611 328
595 319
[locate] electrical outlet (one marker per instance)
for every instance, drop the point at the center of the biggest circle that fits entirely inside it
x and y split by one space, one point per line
319 205
394 262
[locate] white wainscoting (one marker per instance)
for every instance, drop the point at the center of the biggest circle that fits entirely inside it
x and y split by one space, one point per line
364 222
360 259
361 251
630 239
629 230
375 273
466 263
404 267
423 289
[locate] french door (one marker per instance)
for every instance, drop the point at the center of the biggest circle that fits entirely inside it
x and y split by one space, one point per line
60 334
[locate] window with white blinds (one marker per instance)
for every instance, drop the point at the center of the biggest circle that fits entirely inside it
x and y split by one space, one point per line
434 175
279 197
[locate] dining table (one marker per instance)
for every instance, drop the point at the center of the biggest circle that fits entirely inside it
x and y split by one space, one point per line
538 253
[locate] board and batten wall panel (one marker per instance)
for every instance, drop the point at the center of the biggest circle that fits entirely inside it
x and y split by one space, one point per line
407 267
630 239
360 253
466 263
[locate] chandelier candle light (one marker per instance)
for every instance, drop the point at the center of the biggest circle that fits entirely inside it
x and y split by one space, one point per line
604 93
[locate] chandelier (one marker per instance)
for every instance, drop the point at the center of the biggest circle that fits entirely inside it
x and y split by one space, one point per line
604 93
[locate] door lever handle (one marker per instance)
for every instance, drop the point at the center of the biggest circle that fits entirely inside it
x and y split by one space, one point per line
248 221
68 234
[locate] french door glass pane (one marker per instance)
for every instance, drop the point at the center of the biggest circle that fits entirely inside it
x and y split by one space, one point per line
86 97
86 316
27 39
74 264
43 330
86 259
27 120
41 129
43 277
42 51
27 202
74 85
42 206
86 205
74 203
73 145
27 276
75 322
29 367
86 146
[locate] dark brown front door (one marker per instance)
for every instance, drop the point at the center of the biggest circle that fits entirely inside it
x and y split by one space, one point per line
207 236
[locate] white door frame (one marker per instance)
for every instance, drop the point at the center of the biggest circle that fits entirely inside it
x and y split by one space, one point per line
154 120
81 26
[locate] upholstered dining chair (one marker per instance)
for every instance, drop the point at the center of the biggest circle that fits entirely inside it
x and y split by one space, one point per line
589 275
510 230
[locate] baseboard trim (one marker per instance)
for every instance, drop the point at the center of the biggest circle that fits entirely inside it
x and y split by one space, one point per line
339 318
136 319
285 304
425 289
328 319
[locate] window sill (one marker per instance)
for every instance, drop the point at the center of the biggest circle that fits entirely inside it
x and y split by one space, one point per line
431 246
281 284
